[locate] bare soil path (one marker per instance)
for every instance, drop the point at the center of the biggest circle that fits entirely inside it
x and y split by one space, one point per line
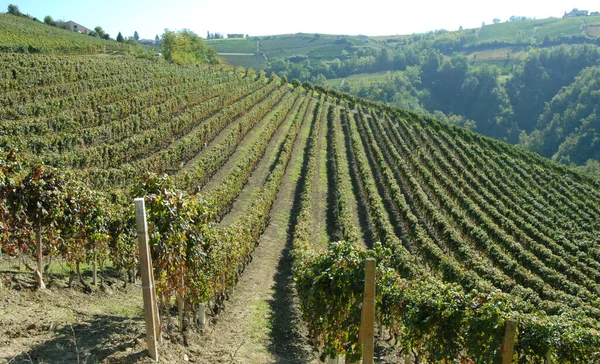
261 322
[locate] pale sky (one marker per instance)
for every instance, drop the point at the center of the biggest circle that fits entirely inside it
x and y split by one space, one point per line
266 17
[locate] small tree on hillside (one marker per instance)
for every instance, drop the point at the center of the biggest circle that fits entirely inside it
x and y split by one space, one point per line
48 20
99 31
136 36
14 10
120 38
186 47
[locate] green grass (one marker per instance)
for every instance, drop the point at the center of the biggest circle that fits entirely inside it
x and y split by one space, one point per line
234 45
359 78
315 46
534 29
254 61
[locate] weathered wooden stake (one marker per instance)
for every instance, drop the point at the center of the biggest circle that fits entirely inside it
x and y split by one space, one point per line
202 314
335 360
150 308
368 313
548 356
38 241
180 303
508 343
95 273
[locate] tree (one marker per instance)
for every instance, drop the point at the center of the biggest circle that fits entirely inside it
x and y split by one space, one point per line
496 20
99 31
14 10
120 38
136 36
48 20
186 47
157 40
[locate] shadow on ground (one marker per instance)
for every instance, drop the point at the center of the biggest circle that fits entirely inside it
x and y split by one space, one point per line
92 341
288 343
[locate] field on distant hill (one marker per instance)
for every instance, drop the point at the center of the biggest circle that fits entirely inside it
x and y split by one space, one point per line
263 200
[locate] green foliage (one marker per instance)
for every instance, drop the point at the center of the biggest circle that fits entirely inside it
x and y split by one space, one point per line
14 10
567 130
186 47
49 21
120 38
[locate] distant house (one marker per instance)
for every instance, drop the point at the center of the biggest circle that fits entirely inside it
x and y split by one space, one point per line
575 13
72 26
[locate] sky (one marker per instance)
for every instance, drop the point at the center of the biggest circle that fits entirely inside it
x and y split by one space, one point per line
266 17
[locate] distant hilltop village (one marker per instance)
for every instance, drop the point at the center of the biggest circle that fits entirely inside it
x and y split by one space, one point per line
576 12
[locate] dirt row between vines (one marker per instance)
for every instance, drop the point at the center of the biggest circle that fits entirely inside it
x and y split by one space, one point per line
261 322
262 169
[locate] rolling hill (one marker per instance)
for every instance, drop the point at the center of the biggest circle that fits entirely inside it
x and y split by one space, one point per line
495 80
469 232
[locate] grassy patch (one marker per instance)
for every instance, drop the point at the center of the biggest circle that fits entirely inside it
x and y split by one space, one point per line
234 45
253 61
261 321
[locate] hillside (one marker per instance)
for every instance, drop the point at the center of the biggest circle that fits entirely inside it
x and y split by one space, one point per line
267 51
263 199
21 34
495 80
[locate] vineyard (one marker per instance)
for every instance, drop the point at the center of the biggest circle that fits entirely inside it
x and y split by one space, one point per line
468 232
24 35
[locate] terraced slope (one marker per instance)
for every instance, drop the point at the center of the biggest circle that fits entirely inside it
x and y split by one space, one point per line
473 232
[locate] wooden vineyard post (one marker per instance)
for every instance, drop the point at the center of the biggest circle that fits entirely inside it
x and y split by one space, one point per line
548 356
508 343
367 324
38 244
150 309
202 314
95 273
335 360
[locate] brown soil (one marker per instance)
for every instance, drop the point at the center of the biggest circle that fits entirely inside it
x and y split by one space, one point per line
65 325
